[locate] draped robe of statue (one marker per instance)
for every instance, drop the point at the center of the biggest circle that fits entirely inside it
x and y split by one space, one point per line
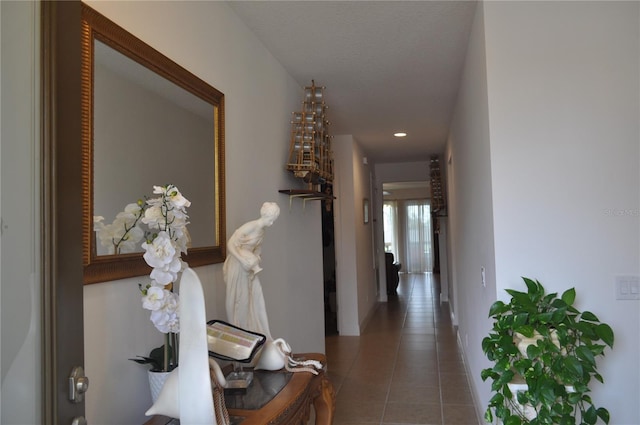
245 301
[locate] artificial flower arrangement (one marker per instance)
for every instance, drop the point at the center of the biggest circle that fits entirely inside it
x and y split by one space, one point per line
164 239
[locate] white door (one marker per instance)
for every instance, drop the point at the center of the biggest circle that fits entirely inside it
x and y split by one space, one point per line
20 288
41 279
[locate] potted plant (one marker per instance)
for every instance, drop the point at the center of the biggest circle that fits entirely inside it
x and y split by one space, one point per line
158 372
159 226
544 352
155 360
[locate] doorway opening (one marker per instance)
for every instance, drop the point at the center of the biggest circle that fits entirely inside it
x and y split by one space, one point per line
407 226
329 264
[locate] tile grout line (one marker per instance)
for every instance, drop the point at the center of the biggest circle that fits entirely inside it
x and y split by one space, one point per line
395 360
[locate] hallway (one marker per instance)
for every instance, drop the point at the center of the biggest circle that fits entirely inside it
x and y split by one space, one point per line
406 367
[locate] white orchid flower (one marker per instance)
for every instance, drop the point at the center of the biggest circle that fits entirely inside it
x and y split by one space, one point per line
166 220
173 195
166 318
153 216
155 298
160 251
168 273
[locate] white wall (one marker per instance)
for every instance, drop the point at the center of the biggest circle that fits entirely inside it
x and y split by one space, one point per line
402 172
564 101
365 257
470 207
555 103
357 288
259 99
19 176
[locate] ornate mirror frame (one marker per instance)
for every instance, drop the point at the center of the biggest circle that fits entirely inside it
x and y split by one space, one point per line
101 268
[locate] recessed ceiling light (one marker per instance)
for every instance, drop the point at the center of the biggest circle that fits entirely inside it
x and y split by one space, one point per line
400 134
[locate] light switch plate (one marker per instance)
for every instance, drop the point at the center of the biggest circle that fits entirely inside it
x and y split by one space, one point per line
628 287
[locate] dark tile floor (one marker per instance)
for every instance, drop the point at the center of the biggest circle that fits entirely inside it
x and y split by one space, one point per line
406 367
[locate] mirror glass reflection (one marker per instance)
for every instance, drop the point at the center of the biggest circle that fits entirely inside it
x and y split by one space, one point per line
149 131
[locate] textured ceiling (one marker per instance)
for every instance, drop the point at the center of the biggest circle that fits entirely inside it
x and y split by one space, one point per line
387 66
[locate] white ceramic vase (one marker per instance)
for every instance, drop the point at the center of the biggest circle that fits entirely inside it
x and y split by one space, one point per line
156 382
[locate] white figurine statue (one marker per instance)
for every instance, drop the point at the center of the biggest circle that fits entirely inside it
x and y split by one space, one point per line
245 302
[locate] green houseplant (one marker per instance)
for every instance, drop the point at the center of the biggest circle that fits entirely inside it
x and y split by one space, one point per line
543 341
155 360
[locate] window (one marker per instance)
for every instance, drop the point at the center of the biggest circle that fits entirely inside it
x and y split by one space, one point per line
390 218
418 246
407 234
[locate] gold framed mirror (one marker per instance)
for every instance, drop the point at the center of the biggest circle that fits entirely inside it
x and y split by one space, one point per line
146 121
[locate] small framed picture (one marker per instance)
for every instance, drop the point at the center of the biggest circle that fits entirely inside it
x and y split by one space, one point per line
365 210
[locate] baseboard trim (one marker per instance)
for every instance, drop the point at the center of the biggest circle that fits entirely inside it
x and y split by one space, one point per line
479 409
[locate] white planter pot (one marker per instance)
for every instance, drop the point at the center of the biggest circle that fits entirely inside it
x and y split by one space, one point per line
522 342
156 382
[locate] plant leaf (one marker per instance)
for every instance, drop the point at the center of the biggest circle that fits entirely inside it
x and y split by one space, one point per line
526 330
523 300
559 315
589 316
486 373
497 308
605 333
488 416
532 286
597 349
487 344
569 296
507 392
513 420
573 366
522 365
520 319
585 354
142 360
522 398
603 414
587 329
533 351
567 420
547 394
549 298
573 398
506 377
496 399
502 412
590 416
558 408
598 377
545 317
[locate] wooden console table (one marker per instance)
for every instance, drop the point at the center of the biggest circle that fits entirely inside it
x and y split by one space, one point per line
279 398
